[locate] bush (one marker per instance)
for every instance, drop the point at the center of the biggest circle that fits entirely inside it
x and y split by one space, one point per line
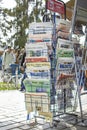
10 86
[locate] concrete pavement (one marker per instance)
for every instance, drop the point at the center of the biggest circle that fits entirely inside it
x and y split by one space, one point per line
12 110
13 113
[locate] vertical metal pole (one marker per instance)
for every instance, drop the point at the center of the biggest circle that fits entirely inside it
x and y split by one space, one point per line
64 90
54 18
45 5
45 15
72 29
36 10
73 19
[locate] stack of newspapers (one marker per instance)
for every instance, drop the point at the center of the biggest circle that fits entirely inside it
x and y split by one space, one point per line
37 59
38 66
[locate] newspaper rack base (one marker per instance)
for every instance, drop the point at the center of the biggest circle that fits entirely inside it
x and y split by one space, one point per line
38 108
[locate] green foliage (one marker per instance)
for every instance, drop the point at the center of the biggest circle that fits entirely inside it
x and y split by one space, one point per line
10 86
21 20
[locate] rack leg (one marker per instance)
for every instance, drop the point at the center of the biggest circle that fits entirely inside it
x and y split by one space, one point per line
64 100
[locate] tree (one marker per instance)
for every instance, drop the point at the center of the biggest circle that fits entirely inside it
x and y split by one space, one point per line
19 23
2 24
21 17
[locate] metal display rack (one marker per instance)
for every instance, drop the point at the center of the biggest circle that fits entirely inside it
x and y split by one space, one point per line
61 95
66 90
80 9
38 83
54 100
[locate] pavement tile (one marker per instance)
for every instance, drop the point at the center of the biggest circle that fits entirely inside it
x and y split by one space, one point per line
25 127
19 120
11 126
2 128
44 126
1 124
7 119
18 113
5 123
16 129
34 129
1 116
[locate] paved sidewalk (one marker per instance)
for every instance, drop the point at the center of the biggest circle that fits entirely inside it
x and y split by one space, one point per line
13 113
12 110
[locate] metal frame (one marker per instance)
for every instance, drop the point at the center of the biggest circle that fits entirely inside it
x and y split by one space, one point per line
72 30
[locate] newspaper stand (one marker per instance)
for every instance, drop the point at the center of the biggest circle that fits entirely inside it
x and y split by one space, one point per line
50 89
43 98
65 82
38 83
63 97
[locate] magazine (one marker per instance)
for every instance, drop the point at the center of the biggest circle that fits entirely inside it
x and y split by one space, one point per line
40 36
40 25
40 31
62 52
36 59
65 66
37 85
62 43
36 52
38 74
38 66
38 45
